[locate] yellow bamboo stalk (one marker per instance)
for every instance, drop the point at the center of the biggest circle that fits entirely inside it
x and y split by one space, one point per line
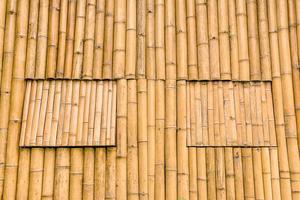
234 50
265 120
253 41
181 40
241 15
216 117
223 24
2 31
23 174
132 144
130 67
81 106
70 38
48 174
191 40
98 113
79 39
108 40
264 43
258 173
91 117
62 35
67 113
211 173
221 114
238 172
202 174
62 176
159 139
151 137
160 39
248 177
110 184
249 132
76 173
276 191
259 114
241 102
119 39
170 140
109 114
100 171
213 39
202 40
99 37
198 134
42 35
104 117
36 173
238 118
88 174
31 41
220 173
192 114
87 105
74 113
266 173
11 155
54 9
230 174
141 39
89 39
61 117
192 166
150 40
205 116
297 4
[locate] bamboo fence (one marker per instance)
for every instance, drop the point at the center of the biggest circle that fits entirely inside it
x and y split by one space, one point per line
149 99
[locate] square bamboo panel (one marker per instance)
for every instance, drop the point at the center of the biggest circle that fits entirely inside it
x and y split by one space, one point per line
59 113
225 113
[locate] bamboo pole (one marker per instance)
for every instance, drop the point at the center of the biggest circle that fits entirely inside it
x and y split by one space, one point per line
67 113
220 173
48 174
191 40
61 117
56 109
74 113
266 173
151 137
131 40
258 173
234 50
42 35
62 36
160 39
253 41
31 41
202 174
198 133
275 174
222 126
181 40
132 144
213 39
192 165
87 105
248 176
23 174
159 139
88 174
104 117
2 31
241 15
36 173
76 173
119 39
205 116
202 40
238 172
89 39
108 40
211 173
140 37
70 38
81 106
170 140
52 44
99 39
230 174
100 171
79 39
224 47
11 155
110 185
98 113
92 111
150 40
216 117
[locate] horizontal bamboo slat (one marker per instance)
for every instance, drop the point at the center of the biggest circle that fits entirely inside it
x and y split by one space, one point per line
69 113
225 113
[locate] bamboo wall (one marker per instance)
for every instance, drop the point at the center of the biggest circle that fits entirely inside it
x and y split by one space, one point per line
152 52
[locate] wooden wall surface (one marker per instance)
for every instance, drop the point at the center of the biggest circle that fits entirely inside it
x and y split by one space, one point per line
152 51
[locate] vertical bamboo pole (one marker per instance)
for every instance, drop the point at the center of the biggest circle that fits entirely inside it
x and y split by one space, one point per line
119 39
48 174
23 174
297 3
253 41
100 171
62 176
60 126
150 40
36 173
159 139
230 173
54 9
202 174
81 106
110 176
130 67
181 40
222 126
264 43
151 137
31 41
108 40
211 173
62 36
98 113
202 40
258 173
192 165
92 111
141 42
89 40
122 136
74 113
11 155
220 173
213 39
266 172
198 133
170 140
76 173
55 115
88 174
42 35
79 39
216 117
25 113
70 38
104 117
238 172
248 177
241 15
67 113
234 50
99 39
160 39
223 19
2 31
288 96
87 105
205 113
142 138
191 40
132 144
275 173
